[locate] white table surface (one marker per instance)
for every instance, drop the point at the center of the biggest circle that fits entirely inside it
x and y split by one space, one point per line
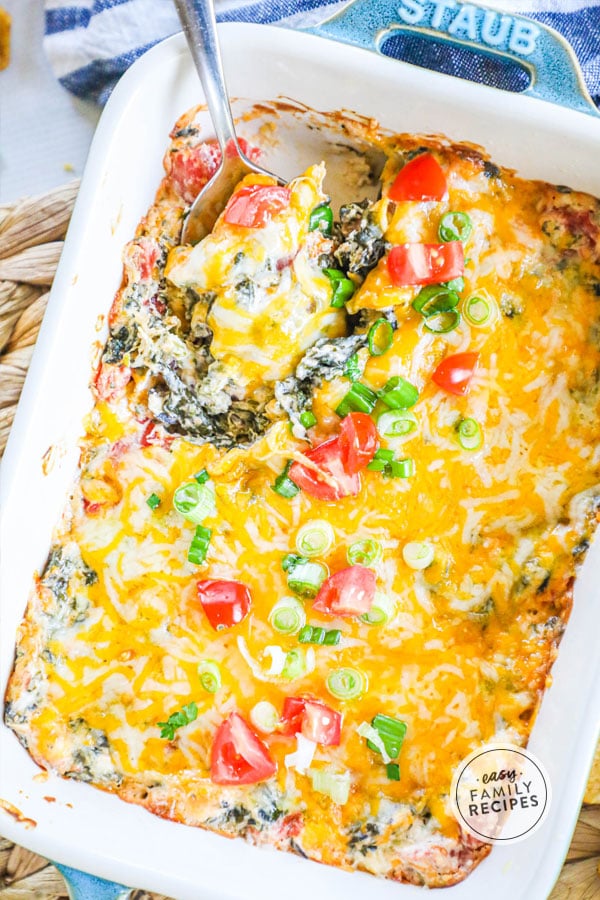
45 133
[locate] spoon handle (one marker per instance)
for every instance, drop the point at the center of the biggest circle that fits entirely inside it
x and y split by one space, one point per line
199 24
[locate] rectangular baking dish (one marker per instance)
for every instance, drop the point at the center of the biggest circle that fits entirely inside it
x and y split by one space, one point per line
97 832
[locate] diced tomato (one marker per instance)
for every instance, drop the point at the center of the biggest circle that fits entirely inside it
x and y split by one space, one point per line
154 436
359 440
315 720
349 592
253 153
190 168
158 306
225 603
91 509
454 373
255 204
291 826
335 482
420 179
238 755
140 258
111 381
425 263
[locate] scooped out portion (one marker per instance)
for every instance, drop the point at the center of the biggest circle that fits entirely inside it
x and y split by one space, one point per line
261 288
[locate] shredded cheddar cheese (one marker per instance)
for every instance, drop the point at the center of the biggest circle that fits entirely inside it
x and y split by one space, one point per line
211 348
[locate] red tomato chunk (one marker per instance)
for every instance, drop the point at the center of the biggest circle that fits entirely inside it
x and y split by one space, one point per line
238 755
313 719
454 373
331 480
350 592
359 440
425 263
254 205
420 179
225 603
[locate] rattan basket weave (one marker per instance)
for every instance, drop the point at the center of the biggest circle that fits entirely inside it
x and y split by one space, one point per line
31 236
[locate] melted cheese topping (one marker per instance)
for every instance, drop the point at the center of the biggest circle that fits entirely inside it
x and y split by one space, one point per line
271 299
466 655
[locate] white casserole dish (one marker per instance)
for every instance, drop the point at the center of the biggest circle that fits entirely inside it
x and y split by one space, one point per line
98 832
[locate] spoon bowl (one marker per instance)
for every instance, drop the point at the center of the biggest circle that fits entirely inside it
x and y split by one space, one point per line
200 29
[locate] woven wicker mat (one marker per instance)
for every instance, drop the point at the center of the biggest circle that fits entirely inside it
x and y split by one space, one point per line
31 236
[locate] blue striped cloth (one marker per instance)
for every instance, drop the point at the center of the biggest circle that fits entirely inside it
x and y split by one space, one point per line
90 43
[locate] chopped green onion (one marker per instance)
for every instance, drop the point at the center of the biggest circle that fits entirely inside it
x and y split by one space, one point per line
283 485
442 323
332 637
392 733
290 560
346 683
210 675
456 284
381 460
306 578
359 398
202 476
380 337
382 610
308 418
187 714
195 501
314 538
153 501
455 226
366 552
295 665
434 299
343 288
264 716
399 393
469 434
393 771
314 634
199 546
418 554
287 616
352 369
373 739
401 468
337 787
321 218
397 423
480 311
382 453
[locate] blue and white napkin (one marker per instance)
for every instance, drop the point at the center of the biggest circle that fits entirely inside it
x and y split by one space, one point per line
90 43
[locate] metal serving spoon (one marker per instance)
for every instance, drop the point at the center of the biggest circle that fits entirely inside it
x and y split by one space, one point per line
200 28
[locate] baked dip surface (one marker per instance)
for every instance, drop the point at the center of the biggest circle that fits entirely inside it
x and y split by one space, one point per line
340 472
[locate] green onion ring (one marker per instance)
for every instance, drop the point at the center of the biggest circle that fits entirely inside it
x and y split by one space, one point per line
380 337
287 616
314 538
442 322
346 683
469 434
365 552
210 675
455 226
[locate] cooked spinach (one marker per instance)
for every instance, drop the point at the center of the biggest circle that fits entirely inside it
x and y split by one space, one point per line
360 239
325 360
67 577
